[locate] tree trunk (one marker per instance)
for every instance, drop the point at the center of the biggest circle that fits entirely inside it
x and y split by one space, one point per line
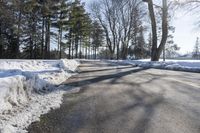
124 51
76 47
42 43
18 31
118 51
70 43
86 52
89 52
95 53
1 42
58 45
80 51
60 55
69 52
34 41
31 47
164 54
164 28
89 47
47 39
72 47
156 52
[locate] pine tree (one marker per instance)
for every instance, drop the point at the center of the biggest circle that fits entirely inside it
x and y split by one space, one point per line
139 49
196 51
86 32
31 31
61 16
9 31
97 36
27 28
77 24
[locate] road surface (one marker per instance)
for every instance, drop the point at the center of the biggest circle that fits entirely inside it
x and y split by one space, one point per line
126 99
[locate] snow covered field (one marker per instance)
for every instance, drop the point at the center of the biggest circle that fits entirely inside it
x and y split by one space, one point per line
178 65
29 88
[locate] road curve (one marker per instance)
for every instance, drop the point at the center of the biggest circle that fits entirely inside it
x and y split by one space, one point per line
126 99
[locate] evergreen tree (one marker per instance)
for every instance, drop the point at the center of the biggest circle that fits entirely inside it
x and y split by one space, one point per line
60 22
28 28
97 36
31 30
10 24
139 49
196 51
78 26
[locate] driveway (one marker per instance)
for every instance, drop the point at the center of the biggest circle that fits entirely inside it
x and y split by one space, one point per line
126 99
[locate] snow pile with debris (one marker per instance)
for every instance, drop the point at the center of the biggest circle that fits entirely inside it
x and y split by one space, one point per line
178 65
29 88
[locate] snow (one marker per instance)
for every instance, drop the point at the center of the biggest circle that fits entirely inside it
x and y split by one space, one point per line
178 65
29 88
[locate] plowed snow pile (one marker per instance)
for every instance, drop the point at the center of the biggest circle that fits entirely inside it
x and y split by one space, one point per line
177 65
29 88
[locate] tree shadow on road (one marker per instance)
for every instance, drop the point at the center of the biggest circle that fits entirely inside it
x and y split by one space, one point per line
99 70
73 116
73 81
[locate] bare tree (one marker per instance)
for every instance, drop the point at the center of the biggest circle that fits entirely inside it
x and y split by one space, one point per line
117 18
157 49
107 21
190 6
130 18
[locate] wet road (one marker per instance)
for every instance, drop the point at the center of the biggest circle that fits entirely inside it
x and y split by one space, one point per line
126 99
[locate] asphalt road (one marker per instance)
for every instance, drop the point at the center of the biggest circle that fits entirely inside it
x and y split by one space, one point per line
126 99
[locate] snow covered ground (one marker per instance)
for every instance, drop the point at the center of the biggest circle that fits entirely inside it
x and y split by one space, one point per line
29 88
178 65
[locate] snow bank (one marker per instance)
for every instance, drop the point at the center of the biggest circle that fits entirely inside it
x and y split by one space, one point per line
12 92
69 64
28 89
178 65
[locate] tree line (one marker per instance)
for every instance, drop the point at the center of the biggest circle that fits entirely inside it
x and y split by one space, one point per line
114 29
32 29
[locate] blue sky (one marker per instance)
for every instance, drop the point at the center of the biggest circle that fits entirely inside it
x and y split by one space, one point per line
186 32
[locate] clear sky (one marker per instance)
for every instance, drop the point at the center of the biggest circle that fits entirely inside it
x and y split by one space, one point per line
186 31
